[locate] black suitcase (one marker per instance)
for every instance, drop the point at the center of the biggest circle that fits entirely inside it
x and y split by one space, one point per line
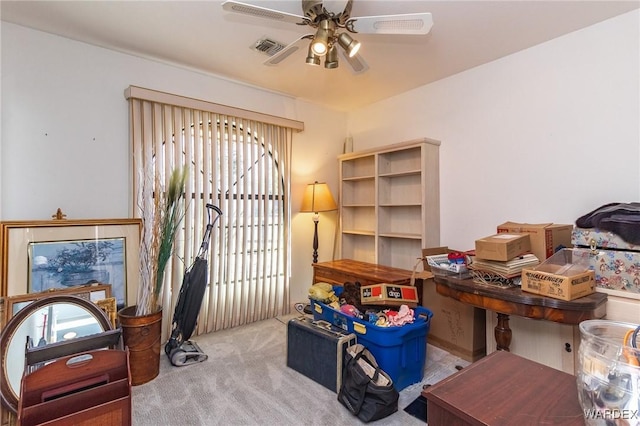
316 349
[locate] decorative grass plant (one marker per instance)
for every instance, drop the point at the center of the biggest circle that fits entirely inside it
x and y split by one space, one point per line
162 213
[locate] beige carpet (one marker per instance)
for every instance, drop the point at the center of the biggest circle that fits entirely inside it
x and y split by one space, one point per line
246 381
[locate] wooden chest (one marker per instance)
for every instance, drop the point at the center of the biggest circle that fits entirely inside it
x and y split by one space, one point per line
338 272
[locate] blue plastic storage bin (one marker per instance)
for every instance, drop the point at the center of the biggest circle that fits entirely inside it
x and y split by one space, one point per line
400 351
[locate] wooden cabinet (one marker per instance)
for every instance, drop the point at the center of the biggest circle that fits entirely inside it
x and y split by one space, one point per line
390 203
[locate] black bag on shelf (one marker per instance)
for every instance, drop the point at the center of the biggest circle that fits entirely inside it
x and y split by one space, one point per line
366 390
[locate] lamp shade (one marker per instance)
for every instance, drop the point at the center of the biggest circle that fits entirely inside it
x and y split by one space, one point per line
318 198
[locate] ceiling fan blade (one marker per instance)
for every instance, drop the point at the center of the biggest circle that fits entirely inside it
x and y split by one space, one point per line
287 51
356 63
410 23
263 12
334 6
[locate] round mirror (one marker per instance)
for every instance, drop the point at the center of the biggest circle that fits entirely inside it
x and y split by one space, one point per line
42 322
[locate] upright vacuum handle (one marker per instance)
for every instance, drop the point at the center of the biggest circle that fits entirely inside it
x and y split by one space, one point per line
207 233
217 209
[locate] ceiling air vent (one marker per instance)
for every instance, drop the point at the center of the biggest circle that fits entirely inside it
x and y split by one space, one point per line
268 46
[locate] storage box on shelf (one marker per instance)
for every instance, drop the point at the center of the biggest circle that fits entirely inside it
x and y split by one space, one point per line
400 351
390 202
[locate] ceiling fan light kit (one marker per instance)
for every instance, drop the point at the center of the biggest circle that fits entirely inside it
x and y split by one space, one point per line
312 58
349 45
324 37
328 18
331 60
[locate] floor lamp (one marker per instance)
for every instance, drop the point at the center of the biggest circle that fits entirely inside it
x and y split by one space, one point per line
317 198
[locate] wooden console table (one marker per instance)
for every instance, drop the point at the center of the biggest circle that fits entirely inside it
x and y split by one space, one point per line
504 389
513 301
340 271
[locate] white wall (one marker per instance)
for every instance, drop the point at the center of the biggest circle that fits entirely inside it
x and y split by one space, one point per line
544 135
64 138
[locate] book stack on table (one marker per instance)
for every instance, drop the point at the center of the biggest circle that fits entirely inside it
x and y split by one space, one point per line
508 269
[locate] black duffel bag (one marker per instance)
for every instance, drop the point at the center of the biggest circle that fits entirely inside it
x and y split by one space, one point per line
366 390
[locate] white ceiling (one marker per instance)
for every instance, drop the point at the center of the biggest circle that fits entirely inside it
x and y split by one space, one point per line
199 35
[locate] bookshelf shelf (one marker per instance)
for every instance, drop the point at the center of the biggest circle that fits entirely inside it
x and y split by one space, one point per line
390 203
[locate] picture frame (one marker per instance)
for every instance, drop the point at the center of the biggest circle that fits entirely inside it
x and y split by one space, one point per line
59 249
95 293
110 307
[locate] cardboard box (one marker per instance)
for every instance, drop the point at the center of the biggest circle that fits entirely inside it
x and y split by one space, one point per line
559 277
457 328
432 251
454 271
502 247
389 295
545 238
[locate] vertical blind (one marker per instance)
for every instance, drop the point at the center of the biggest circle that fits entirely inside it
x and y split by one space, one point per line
239 161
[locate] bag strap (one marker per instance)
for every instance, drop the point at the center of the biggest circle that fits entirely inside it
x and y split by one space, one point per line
362 389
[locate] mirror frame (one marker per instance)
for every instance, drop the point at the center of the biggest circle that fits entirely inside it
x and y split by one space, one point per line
9 397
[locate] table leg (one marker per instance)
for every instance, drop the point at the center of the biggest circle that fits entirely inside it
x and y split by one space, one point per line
502 333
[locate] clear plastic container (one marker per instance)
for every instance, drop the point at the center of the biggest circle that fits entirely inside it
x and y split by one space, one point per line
441 267
608 376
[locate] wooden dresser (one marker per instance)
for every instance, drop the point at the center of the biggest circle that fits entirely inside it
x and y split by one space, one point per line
338 272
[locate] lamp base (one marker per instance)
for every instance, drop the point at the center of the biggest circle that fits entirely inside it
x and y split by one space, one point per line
316 219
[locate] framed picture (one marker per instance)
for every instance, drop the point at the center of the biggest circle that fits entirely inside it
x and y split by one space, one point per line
110 308
96 293
42 255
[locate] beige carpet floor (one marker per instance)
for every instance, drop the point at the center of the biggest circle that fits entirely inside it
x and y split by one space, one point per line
245 381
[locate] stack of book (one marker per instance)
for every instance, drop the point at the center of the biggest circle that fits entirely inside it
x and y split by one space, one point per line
500 259
507 269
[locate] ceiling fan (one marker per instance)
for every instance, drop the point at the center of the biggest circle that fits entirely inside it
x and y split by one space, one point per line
332 24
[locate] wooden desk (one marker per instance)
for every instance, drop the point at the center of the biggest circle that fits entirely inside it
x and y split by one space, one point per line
340 271
504 389
513 301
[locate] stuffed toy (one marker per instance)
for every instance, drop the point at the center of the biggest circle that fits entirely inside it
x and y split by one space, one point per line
349 310
323 292
403 316
351 295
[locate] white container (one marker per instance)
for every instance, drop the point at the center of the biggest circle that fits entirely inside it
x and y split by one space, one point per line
608 376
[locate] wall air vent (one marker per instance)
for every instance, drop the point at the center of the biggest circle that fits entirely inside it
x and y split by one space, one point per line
268 46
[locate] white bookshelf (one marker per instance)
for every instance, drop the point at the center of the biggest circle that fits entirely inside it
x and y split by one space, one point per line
390 203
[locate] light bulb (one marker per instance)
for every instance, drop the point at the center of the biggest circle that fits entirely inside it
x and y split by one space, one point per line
350 45
319 47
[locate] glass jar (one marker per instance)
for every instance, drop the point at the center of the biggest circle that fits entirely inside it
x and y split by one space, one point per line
608 375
